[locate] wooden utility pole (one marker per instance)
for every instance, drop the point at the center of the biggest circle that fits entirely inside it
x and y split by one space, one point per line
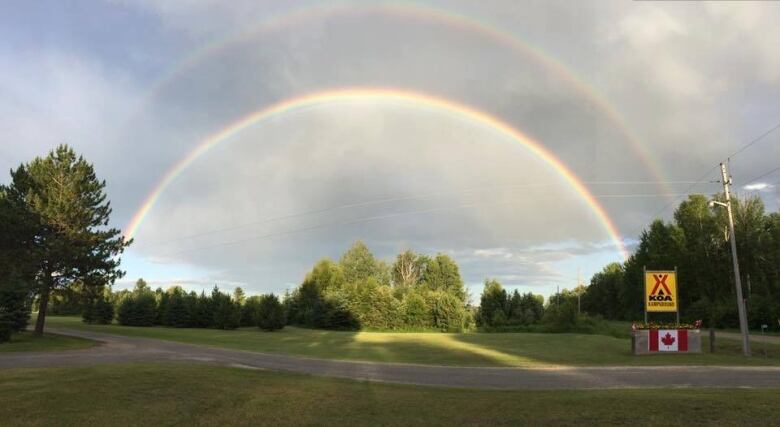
737 280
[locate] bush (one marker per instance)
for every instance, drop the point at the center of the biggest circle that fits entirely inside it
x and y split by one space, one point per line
138 309
5 326
249 311
175 311
14 308
493 305
415 311
270 313
448 313
561 314
227 313
98 311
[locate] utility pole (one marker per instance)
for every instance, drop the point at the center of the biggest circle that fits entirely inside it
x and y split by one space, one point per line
737 281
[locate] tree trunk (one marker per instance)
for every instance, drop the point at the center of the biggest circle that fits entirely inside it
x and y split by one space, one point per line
43 304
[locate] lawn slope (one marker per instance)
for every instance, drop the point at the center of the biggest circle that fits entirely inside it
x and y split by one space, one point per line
27 341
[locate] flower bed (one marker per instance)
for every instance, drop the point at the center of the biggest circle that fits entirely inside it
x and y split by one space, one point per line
665 325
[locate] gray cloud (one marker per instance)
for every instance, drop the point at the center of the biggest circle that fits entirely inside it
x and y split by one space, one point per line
692 81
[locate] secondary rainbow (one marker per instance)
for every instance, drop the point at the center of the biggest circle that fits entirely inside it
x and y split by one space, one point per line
383 95
306 13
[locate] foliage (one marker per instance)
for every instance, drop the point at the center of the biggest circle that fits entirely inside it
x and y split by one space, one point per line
415 311
498 309
175 307
249 311
99 311
493 305
441 273
227 313
61 206
14 307
270 313
696 244
138 308
448 312
362 292
358 265
561 312
408 269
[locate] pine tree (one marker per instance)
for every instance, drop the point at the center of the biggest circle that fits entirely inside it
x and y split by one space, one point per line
66 204
270 314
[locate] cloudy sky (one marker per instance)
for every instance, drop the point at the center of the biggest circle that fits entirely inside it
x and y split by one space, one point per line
638 99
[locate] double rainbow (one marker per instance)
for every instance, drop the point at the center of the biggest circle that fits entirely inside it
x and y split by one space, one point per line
383 95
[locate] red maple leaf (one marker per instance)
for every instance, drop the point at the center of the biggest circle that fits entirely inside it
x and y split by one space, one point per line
668 339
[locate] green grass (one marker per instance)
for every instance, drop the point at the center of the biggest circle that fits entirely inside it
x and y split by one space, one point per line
27 341
753 332
470 349
181 394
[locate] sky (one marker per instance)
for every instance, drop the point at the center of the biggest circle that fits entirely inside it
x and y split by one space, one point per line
638 101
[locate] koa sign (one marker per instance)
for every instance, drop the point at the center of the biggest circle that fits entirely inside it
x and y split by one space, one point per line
660 291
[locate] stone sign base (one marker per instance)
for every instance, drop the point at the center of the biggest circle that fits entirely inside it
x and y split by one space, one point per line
655 341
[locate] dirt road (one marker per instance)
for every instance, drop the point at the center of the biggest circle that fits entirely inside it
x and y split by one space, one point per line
121 349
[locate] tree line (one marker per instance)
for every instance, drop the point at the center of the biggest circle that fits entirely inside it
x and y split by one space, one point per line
177 308
696 243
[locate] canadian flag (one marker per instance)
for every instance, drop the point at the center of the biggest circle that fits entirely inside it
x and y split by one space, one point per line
668 340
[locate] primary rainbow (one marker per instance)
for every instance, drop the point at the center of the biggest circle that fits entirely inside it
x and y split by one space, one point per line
385 95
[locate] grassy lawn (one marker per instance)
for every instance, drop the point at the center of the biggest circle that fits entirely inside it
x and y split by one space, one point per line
474 349
753 333
27 341
179 394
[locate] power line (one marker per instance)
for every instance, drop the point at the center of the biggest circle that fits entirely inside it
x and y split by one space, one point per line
755 140
390 200
685 193
709 171
752 180
388 216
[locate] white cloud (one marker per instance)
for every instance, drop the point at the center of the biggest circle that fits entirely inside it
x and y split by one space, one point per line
759 186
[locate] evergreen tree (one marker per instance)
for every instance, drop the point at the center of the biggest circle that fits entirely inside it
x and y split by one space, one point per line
249 311
494 304
226 313
270 313
66 206
238 295
14 308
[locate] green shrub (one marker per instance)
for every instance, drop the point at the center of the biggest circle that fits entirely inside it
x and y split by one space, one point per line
14 308
493 304
175 310
249 311
372 304
138 309
227 313
98 311
270 313
448 313
415 311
